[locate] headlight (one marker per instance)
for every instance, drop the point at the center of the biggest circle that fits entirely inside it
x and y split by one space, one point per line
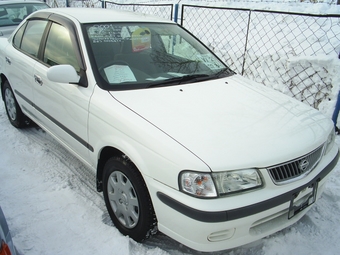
209 185
330 141
238 180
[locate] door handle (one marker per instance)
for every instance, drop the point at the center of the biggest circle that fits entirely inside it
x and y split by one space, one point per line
8 60
38 80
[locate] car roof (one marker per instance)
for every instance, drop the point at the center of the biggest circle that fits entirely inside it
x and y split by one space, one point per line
93 15
20 2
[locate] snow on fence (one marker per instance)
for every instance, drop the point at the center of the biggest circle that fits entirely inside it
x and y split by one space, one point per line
290 52
160 10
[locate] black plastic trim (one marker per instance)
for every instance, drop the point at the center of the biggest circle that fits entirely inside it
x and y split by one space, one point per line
242 212
71 133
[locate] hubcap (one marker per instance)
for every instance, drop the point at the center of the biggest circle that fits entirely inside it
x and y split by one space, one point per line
10 104
123 199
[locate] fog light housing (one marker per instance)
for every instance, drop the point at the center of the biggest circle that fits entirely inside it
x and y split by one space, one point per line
221 235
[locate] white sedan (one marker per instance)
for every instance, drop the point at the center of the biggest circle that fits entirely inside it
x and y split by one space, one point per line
179 142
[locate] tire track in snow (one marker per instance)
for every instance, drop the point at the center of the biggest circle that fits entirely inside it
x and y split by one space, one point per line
59 165
70 169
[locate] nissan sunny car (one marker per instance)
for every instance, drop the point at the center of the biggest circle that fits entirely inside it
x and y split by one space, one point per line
179 142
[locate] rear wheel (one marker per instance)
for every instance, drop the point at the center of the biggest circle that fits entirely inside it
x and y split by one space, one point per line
14 113
127 199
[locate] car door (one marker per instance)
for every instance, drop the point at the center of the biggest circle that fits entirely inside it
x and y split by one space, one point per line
62 108
20 59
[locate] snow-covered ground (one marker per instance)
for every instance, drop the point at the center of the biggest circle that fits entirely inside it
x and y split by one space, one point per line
52 207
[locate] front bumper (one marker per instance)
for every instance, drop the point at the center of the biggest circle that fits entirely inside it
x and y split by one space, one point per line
212 229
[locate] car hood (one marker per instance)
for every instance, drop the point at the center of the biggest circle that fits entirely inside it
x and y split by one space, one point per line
7 31
231 123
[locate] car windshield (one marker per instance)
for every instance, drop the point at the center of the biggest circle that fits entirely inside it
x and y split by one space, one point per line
130 56
13 14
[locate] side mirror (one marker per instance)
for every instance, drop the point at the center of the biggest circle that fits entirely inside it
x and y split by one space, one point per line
63 74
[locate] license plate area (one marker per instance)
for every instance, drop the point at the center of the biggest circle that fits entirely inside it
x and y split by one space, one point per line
302 199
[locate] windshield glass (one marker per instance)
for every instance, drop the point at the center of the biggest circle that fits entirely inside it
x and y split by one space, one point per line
130 56
13 14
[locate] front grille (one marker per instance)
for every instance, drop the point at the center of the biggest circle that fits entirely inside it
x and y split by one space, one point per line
291 170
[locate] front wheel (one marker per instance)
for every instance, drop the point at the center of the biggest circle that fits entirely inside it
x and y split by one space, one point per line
127 199
14 113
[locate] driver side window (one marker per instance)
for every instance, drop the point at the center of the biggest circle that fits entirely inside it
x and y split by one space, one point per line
59 49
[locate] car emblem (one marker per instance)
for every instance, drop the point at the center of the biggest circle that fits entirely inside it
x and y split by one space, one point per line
303 165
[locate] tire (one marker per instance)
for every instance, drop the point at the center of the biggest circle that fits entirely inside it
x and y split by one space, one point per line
14 113
127 199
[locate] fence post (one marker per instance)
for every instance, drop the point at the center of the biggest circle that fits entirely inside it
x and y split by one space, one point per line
336 111
337 106
246 44
176 13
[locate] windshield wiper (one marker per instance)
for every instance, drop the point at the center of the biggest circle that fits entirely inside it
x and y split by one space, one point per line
181 80
225 72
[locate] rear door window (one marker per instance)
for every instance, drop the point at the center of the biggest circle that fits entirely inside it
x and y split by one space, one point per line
32 37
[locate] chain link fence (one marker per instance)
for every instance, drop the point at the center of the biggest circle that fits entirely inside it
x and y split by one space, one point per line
98 3
286 51
234 1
